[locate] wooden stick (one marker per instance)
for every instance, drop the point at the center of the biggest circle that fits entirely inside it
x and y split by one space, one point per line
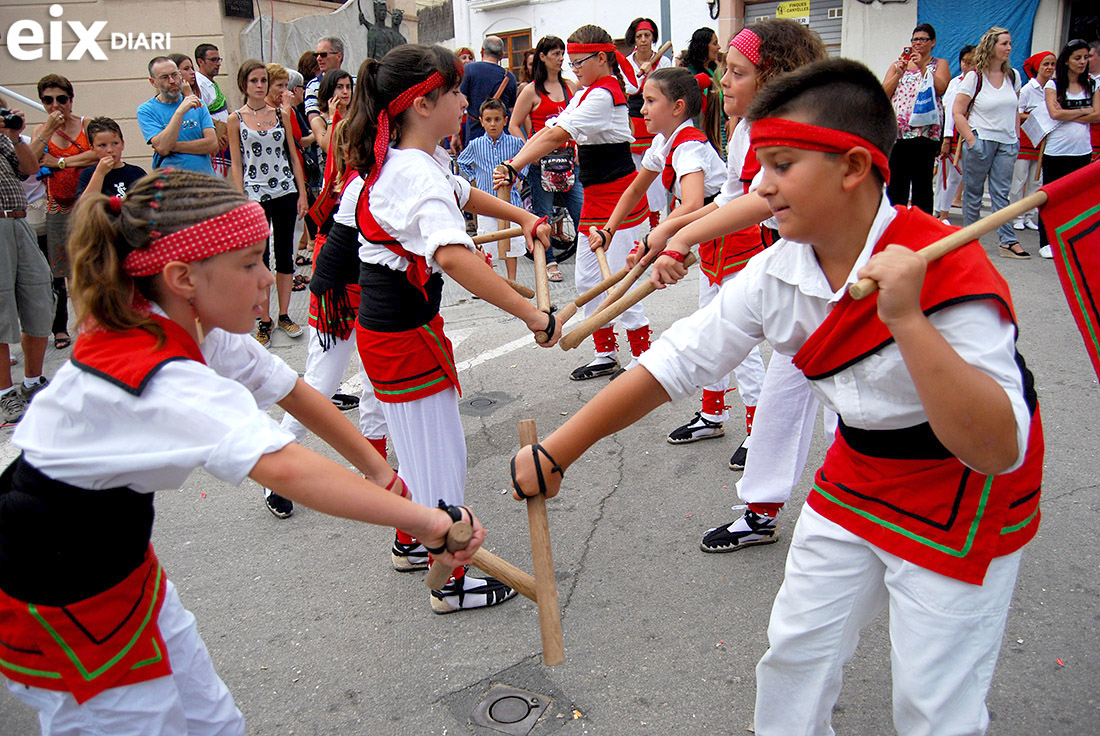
511 232
504 243
457 538
943 246
546 589
656 58
601 258
1039 160
605 316
525 291
542 288
566 313
624 286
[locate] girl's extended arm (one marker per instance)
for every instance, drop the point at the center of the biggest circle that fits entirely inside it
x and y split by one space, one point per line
621 403
476 276
483 203
317 413
540 144
319 483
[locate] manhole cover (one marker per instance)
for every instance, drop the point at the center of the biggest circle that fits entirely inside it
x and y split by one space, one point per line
509 710
484 404
481 403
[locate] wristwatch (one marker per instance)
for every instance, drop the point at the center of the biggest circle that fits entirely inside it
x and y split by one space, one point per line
61 162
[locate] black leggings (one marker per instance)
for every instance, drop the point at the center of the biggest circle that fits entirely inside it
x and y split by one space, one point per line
1054 168
911 164
282 212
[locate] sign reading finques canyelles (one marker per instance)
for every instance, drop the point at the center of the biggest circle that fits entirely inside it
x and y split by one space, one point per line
798 10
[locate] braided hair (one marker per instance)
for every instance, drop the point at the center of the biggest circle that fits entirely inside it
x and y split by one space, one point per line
161 203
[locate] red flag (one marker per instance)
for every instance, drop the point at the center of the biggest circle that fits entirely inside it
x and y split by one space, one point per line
1071 217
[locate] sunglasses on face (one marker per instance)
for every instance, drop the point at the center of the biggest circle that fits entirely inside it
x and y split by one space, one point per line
214 59
325 54
61 99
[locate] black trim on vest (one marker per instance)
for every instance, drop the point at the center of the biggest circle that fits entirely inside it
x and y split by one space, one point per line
60 544
389 303
125 387
603 162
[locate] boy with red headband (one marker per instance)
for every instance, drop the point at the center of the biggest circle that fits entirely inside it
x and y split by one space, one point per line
931 487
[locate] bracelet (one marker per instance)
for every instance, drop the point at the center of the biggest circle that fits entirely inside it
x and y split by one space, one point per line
603 237
44 143
511 170
673 254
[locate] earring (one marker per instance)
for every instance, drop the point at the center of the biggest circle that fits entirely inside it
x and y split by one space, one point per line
198 322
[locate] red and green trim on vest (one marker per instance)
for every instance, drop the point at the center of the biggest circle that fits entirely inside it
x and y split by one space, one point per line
928 509
408 365
109 640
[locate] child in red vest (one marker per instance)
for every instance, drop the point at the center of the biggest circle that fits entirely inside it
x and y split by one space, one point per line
931 487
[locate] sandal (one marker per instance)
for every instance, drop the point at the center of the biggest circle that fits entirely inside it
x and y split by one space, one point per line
303 260
62 341
1014 250
554 273
300 282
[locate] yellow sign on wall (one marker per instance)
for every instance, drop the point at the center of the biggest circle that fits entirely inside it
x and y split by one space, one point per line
798 10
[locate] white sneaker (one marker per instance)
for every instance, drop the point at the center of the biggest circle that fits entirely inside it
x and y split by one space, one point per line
1045 252
1018 225
945 221
1031 225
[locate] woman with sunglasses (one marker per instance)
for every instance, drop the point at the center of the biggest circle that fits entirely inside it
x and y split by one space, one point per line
914 153
61 144
1073 99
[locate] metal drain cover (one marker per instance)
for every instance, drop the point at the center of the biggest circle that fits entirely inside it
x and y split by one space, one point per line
509 710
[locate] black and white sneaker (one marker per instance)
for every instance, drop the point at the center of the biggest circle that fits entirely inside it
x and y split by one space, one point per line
408 557
281 507
740 457
469 592
750 529
602 365
345 402
699 428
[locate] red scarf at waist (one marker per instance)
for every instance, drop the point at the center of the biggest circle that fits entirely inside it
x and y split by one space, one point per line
600 201
109 640
408 365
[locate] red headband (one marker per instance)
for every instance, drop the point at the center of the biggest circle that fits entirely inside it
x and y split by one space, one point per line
748 43
784 132
645 25
400 104
577 49
238 228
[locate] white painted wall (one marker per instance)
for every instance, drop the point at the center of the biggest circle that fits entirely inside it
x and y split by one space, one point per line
473 20
1047 33
875 34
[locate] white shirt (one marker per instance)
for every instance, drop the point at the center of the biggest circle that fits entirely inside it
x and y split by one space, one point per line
993 116
736 149
949 104
598 120
689 157
418 201
782 296
90 433
1070 138
1031 96
207 93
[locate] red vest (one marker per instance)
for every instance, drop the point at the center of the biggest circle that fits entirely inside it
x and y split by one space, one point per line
725 256
928 509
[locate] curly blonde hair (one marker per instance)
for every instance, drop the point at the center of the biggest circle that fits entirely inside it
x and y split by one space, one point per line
785 45
983 54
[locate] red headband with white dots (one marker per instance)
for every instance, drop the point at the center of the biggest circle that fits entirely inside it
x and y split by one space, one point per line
748 43
238 228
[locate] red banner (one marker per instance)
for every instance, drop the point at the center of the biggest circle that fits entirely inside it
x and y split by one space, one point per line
1071 217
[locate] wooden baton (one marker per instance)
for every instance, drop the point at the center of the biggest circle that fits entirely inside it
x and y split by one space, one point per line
542 287
656 58
504 243
943 246
605 316
457 538
511 232
566 313
546 589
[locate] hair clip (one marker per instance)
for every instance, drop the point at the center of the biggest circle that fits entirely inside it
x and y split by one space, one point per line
115 203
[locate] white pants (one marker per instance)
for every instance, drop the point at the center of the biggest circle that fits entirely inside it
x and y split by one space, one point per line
587 274
656 195
516 246
944 635
325 371
1024 185
945 191
193 701
430 446
749 373
782 430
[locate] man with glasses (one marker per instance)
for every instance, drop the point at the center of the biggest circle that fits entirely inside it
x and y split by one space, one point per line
330 55
208 62
178 128
482 80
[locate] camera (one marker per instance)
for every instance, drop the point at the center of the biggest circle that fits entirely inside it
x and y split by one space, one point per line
9 119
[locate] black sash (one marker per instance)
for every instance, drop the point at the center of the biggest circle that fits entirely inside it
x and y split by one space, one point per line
604 162
389 303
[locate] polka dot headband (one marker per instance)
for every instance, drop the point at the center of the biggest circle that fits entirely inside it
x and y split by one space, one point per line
236 229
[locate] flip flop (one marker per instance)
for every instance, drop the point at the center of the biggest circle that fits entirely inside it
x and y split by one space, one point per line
303 261
62 342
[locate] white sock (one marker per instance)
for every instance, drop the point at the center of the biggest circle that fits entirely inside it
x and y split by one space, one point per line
29 382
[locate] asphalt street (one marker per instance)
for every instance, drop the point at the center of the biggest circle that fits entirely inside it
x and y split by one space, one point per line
314 633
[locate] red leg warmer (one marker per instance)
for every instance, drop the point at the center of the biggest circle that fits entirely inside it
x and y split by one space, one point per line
605 340
639 340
